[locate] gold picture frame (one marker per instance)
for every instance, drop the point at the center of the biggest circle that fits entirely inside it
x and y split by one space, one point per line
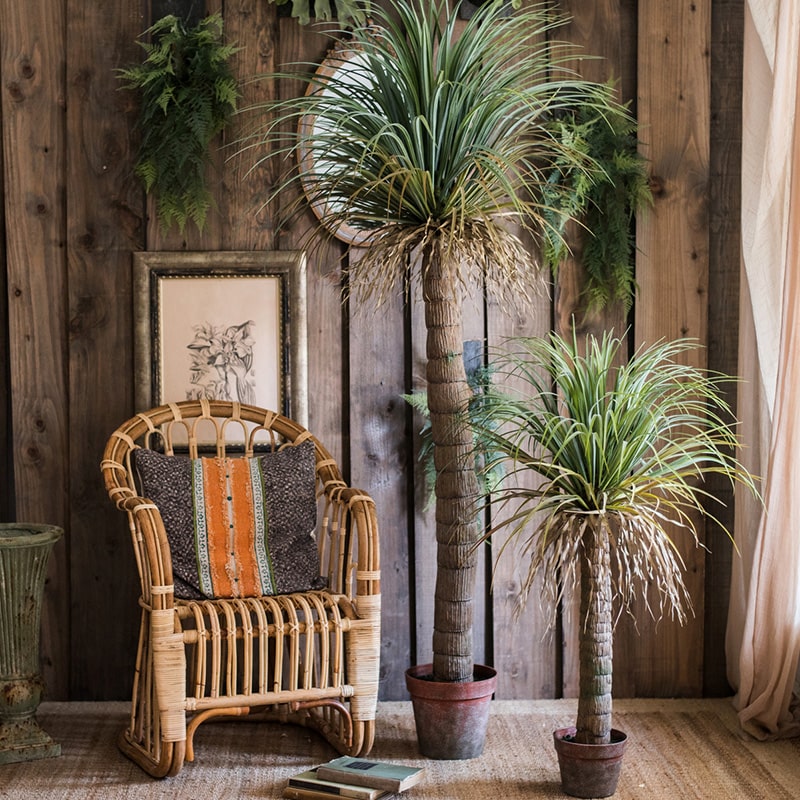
226 325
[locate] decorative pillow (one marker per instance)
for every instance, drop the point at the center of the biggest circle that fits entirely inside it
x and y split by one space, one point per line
237 527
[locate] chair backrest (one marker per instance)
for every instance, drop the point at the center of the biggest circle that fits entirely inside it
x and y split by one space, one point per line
204 427
222 429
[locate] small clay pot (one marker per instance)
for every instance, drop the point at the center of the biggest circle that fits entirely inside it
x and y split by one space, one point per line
589 770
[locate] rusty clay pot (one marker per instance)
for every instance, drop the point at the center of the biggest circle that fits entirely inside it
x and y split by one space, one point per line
451 718
589 770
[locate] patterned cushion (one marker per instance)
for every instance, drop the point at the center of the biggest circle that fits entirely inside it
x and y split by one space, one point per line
237 527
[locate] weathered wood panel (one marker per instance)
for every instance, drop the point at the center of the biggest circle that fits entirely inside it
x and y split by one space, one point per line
245 222
33 136
103 226
727 33
525 654
598 30
672 270
73 213
6 447
380 457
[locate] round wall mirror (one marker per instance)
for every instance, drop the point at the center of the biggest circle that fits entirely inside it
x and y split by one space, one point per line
347 65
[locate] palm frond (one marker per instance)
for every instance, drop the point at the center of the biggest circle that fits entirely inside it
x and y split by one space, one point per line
434 133
627 447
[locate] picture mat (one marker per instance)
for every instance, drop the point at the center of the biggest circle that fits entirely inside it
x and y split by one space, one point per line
221 302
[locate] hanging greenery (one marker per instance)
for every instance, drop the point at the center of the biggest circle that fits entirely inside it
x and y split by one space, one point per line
603 201
348 12
188 94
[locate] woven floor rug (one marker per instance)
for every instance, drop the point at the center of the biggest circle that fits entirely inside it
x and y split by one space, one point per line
679 749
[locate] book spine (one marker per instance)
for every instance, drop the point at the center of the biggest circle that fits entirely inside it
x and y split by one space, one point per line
350 792
295 793
375 781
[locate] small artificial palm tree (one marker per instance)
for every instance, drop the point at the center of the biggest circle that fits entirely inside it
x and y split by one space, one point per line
435 145
621 453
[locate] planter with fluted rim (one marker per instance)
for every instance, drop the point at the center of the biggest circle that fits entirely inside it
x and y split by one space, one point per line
451 718
24 552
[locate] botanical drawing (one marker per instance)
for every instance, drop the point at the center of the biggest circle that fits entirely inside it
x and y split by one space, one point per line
222 362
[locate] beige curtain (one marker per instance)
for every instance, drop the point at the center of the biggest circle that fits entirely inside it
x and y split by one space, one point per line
763 641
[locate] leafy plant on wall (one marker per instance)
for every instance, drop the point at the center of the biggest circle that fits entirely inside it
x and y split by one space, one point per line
348 12
187 96
604 202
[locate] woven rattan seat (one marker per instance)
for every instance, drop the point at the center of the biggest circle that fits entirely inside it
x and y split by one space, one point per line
308 657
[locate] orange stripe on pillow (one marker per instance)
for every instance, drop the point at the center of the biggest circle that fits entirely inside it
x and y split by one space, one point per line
242 568
219 531
233 558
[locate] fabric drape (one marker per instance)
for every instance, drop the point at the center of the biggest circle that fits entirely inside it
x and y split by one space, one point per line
763 637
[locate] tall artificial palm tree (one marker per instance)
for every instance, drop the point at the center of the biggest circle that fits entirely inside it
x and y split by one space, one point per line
621 453
434 145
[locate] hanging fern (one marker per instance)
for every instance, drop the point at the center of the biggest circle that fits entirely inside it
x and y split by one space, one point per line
604 202
348 12
188 94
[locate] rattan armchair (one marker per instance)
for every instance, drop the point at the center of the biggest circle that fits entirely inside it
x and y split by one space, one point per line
307 657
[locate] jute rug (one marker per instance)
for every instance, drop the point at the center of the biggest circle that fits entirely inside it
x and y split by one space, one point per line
679 749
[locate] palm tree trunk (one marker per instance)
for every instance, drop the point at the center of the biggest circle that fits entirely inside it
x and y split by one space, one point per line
456 484
595 637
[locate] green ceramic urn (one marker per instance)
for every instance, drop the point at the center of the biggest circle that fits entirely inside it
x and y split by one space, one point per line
24 553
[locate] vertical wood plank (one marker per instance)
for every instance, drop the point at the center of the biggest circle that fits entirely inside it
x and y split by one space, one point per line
104 224
33 142
243 187
380 465
423 543
598 30
672 270
7 458
727 37
327 357
525 651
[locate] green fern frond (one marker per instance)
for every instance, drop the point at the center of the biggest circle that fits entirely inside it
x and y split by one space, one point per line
349 13
188 94
603 200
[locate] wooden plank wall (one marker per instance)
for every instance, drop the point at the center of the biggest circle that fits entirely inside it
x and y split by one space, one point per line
73 213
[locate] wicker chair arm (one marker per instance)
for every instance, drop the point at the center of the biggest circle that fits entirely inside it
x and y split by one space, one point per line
347 506
152 547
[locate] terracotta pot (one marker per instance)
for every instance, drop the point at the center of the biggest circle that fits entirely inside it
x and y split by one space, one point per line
451 718
589 770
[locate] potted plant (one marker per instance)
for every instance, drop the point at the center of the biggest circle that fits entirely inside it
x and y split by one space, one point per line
620 452
434 143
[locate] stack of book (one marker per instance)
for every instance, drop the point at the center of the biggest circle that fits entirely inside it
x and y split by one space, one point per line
355 778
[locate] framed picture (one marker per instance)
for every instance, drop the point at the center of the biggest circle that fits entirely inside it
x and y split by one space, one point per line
221 325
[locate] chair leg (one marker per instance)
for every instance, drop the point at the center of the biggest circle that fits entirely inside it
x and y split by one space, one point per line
142 739
169 763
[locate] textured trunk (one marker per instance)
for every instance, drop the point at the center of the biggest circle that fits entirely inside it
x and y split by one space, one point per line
456 485
596 638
